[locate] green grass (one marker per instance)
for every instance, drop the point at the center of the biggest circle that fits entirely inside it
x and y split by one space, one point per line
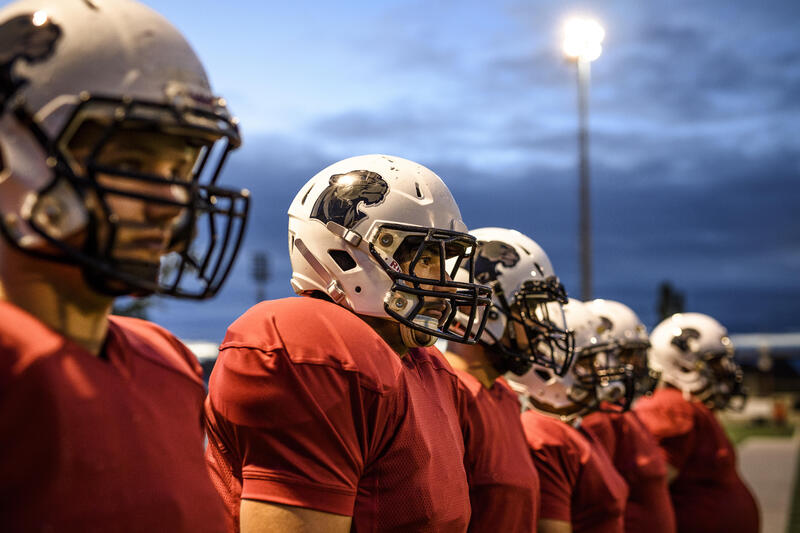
793 525
739 431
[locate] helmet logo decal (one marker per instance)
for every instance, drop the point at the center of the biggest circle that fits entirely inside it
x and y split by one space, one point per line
339 202
683 340
31 37
605 325
490 255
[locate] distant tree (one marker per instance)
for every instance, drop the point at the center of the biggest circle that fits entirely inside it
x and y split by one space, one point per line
133 307
670 300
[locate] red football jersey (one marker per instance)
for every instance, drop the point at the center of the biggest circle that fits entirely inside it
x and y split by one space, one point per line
503 483
309 407
708 494
638 459
91 444
578 481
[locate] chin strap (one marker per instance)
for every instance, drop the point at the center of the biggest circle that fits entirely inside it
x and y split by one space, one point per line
332 287
413 338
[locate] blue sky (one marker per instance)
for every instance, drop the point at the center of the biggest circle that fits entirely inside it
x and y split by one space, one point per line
694 112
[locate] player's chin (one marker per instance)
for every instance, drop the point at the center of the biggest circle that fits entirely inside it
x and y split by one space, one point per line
144 271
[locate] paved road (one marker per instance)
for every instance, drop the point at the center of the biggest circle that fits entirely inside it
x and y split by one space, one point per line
768 466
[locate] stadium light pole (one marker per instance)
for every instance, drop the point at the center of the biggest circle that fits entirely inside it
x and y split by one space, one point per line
582 45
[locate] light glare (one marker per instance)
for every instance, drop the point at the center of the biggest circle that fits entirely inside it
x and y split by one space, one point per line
582 38
39 18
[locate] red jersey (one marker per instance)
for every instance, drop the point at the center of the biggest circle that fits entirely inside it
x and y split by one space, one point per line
309 407
91 444
503 483
638 459
708 494
578 481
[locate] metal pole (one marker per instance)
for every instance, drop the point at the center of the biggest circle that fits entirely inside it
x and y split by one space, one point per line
584 222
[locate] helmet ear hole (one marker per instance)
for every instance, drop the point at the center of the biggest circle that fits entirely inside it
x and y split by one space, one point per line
343 259
544 375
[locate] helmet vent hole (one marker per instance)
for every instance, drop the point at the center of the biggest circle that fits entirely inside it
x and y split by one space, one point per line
305 196
342 259
543 374
358 289
419 192
524 250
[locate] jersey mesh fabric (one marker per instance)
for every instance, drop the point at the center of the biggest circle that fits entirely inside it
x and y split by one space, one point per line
309 407
637 458
578 481
708 494
101 445
504 485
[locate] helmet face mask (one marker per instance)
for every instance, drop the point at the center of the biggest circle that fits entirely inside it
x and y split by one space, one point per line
551 344
645 379
610 382
70 214
423 266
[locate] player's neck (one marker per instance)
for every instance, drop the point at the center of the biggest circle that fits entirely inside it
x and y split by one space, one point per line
389 331
57 295
472 358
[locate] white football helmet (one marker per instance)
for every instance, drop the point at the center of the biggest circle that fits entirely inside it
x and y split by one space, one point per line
349 226
631 341
523 283
695 355
581 389
69 68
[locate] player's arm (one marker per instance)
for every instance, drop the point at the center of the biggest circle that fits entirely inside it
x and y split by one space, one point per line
266 517
547 525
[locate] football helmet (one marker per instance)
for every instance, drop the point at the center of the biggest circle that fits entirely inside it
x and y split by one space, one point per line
630 339
85 74
695 355
360 230
523 284
592 378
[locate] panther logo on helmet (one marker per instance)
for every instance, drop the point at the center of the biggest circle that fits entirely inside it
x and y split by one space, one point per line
28 37
491 255
339 202
687 337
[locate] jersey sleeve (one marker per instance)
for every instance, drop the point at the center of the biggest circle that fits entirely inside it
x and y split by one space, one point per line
558 467
303 433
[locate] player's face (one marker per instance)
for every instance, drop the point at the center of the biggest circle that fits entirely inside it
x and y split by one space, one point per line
428 266
144 227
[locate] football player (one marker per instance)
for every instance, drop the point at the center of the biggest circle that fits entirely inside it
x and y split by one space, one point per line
333 411
504 485
107 126
630 445
580 488
698 376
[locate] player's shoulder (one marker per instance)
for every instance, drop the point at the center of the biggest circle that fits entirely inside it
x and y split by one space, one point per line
23 341
666 413
145 339
543 431
601 422
309 331
469 383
